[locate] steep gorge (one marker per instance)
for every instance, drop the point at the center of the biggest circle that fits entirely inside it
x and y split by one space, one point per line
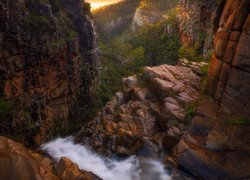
197 124
49 65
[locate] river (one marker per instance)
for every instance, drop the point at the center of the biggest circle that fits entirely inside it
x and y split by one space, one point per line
132 168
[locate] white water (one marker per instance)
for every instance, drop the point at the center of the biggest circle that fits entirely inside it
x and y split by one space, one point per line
133 168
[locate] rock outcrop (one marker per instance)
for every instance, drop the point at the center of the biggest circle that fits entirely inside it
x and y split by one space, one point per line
228 78
66 169
41 64
216 145
18 163
196 23
149 113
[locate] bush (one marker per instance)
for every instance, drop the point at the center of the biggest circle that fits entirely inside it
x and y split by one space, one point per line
37 23
190 53
5 107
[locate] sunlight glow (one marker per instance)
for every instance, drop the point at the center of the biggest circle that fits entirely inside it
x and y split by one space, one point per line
95 4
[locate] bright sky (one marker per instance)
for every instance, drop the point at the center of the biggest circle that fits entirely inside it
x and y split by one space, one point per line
98 3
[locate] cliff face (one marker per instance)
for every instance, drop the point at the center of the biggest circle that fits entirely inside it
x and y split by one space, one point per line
115 23
217 141
196 23
41 65
228 78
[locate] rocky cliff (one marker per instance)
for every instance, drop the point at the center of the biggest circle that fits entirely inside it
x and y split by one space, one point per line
228 78
217 142
196 23
165 109
48 65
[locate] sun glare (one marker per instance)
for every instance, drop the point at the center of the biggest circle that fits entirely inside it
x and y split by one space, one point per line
99 4
95 4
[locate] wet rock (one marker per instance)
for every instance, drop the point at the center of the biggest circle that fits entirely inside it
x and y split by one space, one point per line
66 169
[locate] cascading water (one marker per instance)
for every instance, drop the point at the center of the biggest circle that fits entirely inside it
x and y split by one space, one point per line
133 168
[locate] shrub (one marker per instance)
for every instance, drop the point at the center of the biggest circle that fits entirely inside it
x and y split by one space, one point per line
37 23
240 121
5 107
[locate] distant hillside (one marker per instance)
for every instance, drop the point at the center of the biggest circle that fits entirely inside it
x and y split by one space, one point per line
113 19
158 5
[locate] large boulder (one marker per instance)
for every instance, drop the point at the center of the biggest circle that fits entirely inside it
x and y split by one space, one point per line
149 112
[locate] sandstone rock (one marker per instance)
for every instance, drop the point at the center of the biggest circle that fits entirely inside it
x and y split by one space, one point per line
19 164
130 82
68 170
232 95
174 110
44 65
214 146
145 113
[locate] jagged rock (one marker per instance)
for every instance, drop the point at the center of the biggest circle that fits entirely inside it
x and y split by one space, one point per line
215 147
18 163
144 114
66 169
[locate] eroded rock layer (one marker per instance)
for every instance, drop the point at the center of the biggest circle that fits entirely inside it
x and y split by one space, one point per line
229 72
216 145
42 70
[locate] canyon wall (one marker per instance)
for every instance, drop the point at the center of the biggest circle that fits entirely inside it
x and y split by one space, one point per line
196 23
229 72
48 65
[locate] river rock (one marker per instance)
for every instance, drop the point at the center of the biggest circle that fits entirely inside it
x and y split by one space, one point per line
66 169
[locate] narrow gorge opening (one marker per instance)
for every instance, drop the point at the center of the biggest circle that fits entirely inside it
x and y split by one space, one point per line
124 89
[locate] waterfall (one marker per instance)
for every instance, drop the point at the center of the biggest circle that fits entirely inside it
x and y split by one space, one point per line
132 168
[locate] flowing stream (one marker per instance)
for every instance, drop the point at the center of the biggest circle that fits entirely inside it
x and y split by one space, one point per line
132 168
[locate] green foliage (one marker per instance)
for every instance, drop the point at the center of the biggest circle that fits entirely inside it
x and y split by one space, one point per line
160 47
240 121
127 54
37 23
204 69
190 53
158 5
189 111
5 107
